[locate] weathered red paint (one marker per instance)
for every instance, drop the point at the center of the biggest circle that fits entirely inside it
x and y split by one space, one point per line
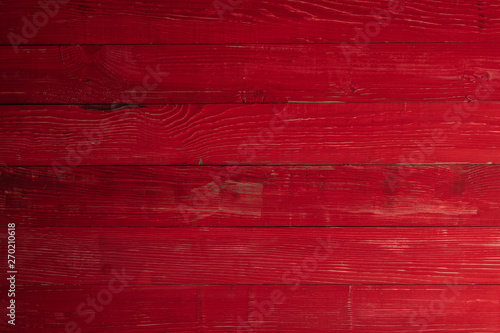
255 21
249 73
290 166
256 134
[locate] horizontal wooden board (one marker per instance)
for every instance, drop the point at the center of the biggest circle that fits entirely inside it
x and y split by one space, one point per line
294 134
273 73
433 308
293 256
142 196
257 21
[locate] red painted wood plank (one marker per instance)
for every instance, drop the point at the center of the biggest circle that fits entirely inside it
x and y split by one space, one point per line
253 196
303 134
256 21
320 308
291 256
124 308
249 73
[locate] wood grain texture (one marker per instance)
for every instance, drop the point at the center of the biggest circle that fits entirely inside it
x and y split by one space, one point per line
317 308
294 134
256 21
273 73
291 256
181 168
253 196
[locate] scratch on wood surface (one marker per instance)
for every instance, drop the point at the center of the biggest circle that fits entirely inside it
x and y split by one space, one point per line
111 107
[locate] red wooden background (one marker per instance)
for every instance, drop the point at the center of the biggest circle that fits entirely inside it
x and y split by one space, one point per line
251 165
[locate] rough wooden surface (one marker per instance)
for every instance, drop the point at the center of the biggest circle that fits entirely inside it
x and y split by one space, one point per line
318 308
256 21
298 134
140 196
271 169
255 73
290 255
